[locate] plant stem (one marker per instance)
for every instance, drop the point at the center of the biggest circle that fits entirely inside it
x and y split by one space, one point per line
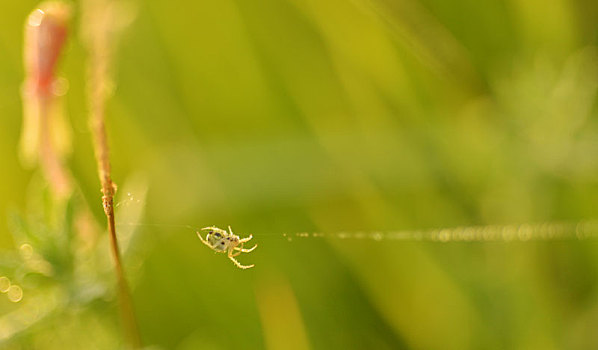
108 191
52 167
99 61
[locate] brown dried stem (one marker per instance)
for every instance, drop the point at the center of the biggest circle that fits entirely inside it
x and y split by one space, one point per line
99 63
108 190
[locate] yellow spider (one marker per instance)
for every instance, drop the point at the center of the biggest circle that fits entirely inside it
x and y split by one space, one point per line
221 241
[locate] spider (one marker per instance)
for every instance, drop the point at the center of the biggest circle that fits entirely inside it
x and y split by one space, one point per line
221 241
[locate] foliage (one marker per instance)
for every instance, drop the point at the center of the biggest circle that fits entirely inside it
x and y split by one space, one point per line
280 117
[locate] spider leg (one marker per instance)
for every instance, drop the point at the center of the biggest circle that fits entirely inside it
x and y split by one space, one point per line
246 239
232 252
203 240
245 250
238 264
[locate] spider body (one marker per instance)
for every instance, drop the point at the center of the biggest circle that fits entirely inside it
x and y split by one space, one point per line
222 241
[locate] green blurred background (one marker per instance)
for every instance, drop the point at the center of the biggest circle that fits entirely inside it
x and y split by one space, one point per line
308 115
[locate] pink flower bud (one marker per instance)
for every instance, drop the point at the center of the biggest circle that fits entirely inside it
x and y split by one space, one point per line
45 34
